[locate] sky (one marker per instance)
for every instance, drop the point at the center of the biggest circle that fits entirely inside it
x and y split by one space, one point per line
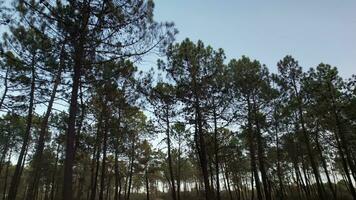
311 31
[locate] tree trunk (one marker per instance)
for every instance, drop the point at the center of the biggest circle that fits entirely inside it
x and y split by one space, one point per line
216 152
228 184
103 165
279 171
260 154
147 186
71 136
5 150
201 146
170 164
98 144
323 162
54 173
203 155
37 159
17 174
78 40
308 143
131 170
117 175
6 176
342 145
6 87
179 169
252 150
92 171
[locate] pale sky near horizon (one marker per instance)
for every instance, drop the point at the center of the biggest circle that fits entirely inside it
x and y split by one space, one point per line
311 31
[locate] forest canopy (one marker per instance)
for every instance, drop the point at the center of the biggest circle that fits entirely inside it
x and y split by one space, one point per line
81 120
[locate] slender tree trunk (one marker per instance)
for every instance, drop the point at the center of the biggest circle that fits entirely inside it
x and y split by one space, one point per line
6 176
120 188
324 165
131 170
228 184
54 173
6 87
300 180
200 136
80 120
343 147
170 164
306 177
179 169
216 152
107 196
81 182
17 174
5 150
308 143
117 175
260 154
279 171
147 186
98 144
211 177
103 165
92 171
252 150
36 174
116 162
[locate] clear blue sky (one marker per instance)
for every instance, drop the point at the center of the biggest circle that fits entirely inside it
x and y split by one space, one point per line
312 31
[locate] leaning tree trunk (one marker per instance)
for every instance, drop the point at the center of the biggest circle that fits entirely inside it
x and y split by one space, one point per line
342 146
37 159
311 156
324 165
6 87
17 174
308 143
